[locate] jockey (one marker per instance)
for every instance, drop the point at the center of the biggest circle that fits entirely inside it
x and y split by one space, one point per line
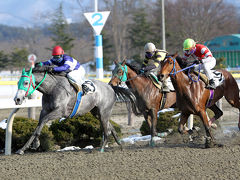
153 57
203 55
65 63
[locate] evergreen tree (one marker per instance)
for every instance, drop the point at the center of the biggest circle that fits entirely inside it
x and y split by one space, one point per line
4 61
60 29
139 33
221 63
107 51
18 58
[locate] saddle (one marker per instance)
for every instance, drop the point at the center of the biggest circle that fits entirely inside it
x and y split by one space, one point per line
86 88
77 87
155 81
218 77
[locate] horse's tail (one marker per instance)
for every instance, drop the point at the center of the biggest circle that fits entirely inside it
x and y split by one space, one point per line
125 95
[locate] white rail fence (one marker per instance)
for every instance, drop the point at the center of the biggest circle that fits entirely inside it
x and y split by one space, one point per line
30 103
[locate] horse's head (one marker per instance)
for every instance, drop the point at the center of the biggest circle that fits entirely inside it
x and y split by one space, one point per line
119 74
26 86
167 67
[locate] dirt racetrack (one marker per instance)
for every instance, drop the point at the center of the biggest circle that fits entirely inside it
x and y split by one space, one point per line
132 163
174 159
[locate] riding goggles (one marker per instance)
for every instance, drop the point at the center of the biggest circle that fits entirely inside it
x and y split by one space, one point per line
149 54
58 58
190 51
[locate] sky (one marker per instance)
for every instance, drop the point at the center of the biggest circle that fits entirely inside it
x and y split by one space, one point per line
28 13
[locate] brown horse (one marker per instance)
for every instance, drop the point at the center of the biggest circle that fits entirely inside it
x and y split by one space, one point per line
193 97
148 96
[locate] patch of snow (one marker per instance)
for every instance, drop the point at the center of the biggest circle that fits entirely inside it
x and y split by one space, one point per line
137 137
176 115
89 147
3 124
70 148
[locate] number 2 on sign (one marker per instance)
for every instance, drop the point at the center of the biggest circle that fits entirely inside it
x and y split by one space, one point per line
99 18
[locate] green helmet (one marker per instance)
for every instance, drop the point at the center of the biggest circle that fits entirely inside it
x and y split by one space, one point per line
188 44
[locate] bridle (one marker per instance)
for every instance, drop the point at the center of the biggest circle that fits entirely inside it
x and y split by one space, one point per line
123 77
31 77
174 71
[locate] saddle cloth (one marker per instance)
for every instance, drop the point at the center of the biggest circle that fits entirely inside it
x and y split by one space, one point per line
86 88
218 77
158 84
169 84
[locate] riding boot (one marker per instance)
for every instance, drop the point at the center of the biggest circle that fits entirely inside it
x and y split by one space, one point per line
211 84
165 87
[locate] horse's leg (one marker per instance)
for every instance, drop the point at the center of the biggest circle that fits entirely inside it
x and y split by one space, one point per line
148 118
36 141
209 139
183 120
232 97
35 134
107 128
51 116
217 114
153 127
114 133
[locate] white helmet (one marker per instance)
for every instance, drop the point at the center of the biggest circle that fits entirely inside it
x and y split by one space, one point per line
149 47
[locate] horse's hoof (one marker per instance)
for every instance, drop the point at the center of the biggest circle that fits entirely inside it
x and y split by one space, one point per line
101 150
214 126
20 152
121 147
190 139
152 144
209 143
196 128
190 131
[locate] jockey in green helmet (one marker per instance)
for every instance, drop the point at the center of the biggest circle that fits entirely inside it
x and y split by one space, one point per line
203 55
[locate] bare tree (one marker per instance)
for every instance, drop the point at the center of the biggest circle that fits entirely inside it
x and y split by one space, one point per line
199 19
119 22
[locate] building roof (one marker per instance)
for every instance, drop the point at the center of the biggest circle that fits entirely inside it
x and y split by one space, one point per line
224 43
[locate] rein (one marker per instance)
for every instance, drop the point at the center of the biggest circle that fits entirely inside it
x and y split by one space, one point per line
133 77
174 71
31 83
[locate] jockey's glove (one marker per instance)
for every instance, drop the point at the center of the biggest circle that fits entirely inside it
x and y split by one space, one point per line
196 62
48 69
141 71
38 64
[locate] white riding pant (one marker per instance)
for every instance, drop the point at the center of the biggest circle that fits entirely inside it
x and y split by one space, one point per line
77 76
208 64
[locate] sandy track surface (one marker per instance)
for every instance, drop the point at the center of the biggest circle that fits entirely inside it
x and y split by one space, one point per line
184 162
174 159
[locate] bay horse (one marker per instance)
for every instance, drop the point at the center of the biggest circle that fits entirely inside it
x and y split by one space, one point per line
148 96
193 97
59 98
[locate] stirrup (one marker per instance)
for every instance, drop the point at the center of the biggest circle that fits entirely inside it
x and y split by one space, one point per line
210 86
165 89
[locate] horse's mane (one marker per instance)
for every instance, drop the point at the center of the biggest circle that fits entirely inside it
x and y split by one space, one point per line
134 66
42 70
180 61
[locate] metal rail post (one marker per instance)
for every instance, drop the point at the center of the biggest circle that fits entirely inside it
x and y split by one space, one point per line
8 140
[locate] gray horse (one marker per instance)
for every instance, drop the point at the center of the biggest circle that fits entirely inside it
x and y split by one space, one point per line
59 98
